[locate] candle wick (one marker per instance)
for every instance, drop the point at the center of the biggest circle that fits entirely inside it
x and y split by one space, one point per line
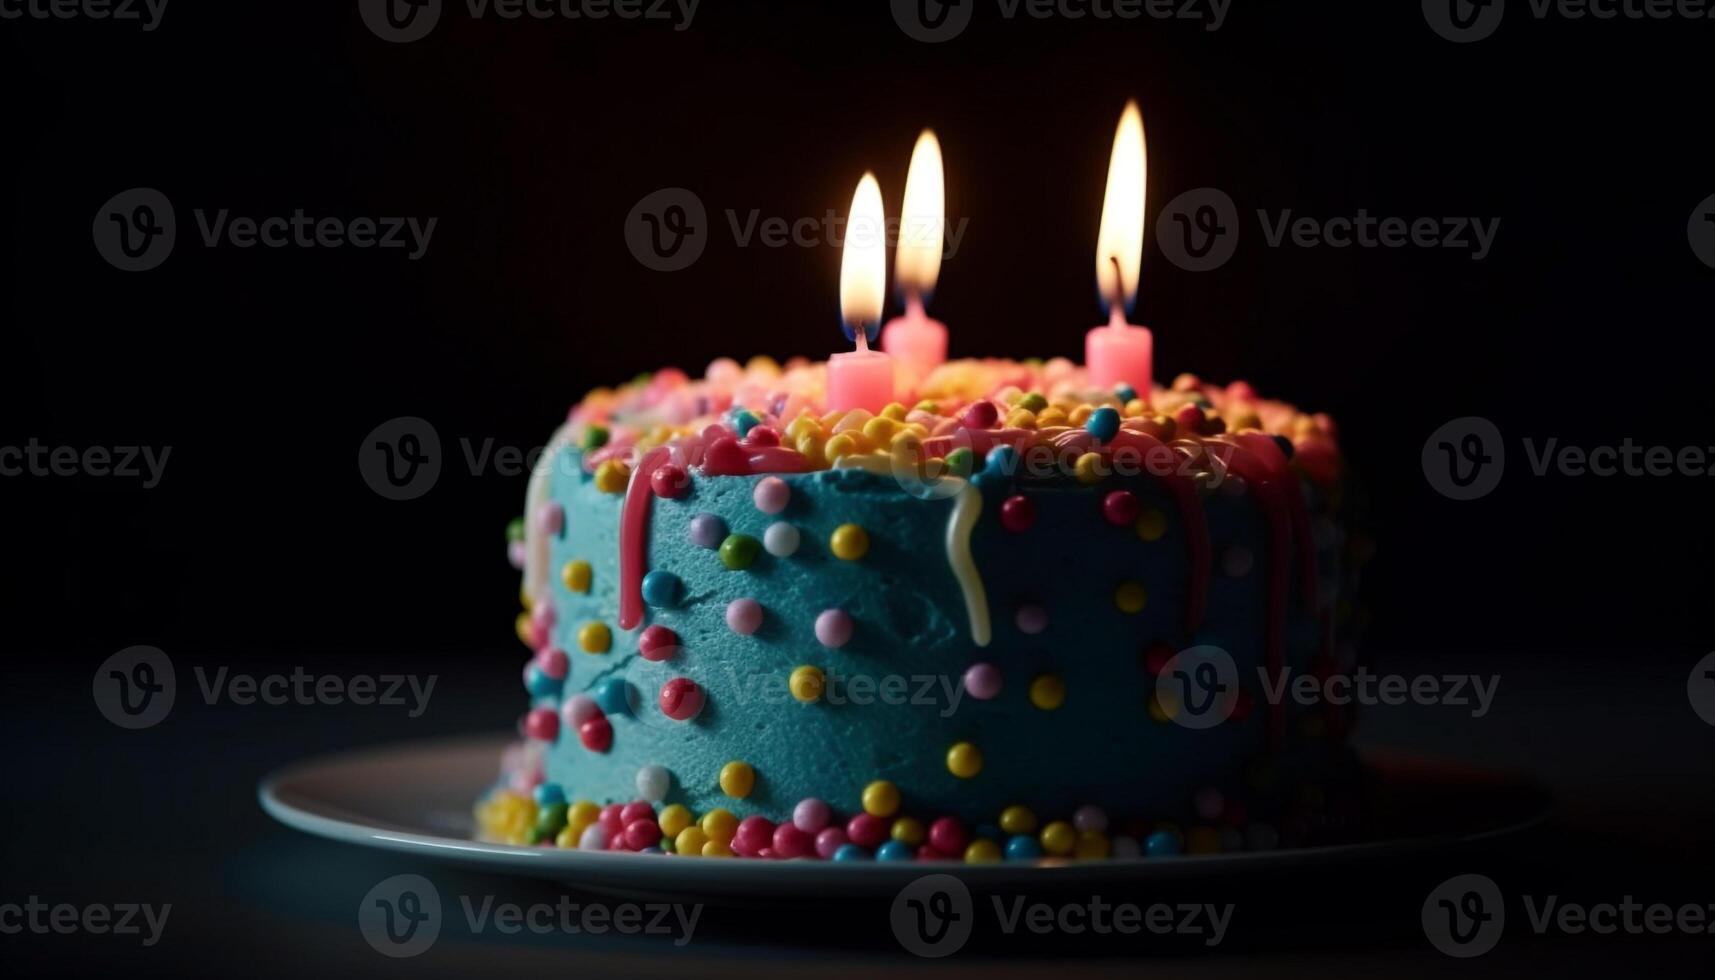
1116 304
914 305
862 331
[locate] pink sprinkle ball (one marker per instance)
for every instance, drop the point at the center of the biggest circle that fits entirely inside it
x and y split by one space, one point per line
867 830
1121 508
1188 419
811 815
670 480
657 643
636 810
833 628
771 494
980 415
642 833
542 724
753 835
580 708
706 531
1090 818
1032 619
611 818
744 616
982 681
1017 513
550 518
681 699
792 842
553 662
947 836
762 435
831 839
594 838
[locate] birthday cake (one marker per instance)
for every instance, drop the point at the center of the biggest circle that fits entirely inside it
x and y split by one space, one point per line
1017 617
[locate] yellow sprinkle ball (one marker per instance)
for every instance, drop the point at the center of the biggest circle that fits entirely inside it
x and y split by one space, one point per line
1136 408
576 575
849 542
879 430
674 818
1089 468
1021 418
1130 597
612 476
522 626
1048 692
1017 819
964 760
737 779
719 825
566 838
1080 414
841 446
581 814
1050 417
717 849
595 638
1058 838
982 851
1158 710
928 406
806 683
881 799
812 446
1203 840
894 411
1151 524
1092 845
908 830
690 842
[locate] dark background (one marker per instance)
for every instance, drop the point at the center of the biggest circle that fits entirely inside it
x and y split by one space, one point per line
530 141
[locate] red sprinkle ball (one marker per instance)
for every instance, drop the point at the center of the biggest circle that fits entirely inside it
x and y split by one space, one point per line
981 415
1017 513
1121 508
670 480
681 699
657 643
596 734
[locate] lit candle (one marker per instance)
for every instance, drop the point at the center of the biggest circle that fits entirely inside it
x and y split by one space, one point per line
863 378
1120 353
919 342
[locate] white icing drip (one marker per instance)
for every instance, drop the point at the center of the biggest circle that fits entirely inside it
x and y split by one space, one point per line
535 495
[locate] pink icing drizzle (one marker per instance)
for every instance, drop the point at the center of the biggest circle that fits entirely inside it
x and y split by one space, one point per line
634 538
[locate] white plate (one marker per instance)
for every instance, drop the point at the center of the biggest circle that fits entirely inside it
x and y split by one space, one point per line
416 798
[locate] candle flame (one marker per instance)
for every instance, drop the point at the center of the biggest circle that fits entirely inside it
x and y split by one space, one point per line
1119 247
917 261
863 260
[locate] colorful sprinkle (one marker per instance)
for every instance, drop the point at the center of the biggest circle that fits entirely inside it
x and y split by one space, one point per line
1163 843
1092 845
596 734
550 518
1031 619
948 836
1090 818
1237 561
780 540
744 616
681 699
980 415
983 681
807 683
833 628
851 852
754 835
594 838
580 708
1022 847
1103 424
1090 468
613 694
690 841
641 833
595 437
1048 692
792 842
1130 597
908 830
771 495
542 724
1018 819
706 531
738 551
849 542
894 851
1120 507
867 829
737 779
830 841
1058 838
670 481
595 638
811 815
611 476
657 643
982 852
675 818
720 824
576 575
1017 513
661 588
880 799
964 760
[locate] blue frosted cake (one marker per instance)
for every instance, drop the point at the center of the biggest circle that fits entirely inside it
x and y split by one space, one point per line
1014 618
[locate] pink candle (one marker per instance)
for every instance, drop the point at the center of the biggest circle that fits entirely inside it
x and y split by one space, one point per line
918 340
861 379
1120 353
